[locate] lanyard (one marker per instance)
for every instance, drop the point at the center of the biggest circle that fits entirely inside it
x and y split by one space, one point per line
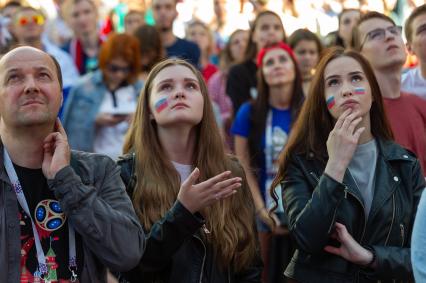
271 168
41 258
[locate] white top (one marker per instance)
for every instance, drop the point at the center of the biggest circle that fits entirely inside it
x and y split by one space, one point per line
109 140
183 170
414 83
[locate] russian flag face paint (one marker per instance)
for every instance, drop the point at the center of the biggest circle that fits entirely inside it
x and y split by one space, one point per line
359 90
161 104
330 102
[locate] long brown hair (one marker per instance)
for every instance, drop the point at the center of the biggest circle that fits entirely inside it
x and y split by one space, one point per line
311 130
251 49
261 107
231 221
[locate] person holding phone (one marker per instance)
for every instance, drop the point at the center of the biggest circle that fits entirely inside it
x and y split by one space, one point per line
191 198
100 106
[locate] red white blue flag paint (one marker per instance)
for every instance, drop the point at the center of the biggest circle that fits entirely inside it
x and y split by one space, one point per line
359 90
161 104
330 102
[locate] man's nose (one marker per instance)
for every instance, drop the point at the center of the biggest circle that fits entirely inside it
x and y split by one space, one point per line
31 85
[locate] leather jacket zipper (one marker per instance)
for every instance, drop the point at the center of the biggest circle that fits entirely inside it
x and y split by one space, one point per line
401 226
204 258
363 210
335 209
393 219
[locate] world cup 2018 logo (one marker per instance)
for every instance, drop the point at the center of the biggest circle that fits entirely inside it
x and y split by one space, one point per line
49 215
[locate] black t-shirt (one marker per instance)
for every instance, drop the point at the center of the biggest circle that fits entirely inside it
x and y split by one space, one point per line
52 227
241 84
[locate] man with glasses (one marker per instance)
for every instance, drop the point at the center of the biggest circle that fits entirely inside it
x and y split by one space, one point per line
28 26
378 38
414 80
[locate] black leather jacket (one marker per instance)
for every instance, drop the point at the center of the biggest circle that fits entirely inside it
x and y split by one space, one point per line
175 249
314 202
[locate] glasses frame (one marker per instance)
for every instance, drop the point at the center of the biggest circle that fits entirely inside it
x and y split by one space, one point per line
383 30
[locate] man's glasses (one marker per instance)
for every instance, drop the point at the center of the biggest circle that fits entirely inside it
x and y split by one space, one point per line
36 19
380 33
115 69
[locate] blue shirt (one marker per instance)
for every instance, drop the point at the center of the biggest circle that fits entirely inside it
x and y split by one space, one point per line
281 121
184 49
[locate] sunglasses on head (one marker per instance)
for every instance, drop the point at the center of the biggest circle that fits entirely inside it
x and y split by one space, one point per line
115 69
36 19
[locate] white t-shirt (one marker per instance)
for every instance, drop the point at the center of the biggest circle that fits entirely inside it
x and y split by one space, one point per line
109 140
414 83
183 169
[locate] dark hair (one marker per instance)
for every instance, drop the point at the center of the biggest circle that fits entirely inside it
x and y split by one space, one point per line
150 41
314 124
226 58
407 27
123 46
58 69
304 34
260 108
11 4
251 49
356 40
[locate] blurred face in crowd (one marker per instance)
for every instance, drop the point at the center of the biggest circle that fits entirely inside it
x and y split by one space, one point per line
307 55
346 86
268 30
418 37
381 43
30 93
132 22
83 18
238 44
116 72
176 97
278 68
200 35
164 12
28 26
347 23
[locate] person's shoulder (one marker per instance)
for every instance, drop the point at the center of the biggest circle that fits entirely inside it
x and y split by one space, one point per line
415 100
186 43
245 108
394 151
90 158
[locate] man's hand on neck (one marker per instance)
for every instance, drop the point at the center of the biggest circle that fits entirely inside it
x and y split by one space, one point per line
25 144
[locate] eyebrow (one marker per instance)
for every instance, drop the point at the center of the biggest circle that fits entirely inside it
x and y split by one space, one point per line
350 73
172 80
420 27
41 68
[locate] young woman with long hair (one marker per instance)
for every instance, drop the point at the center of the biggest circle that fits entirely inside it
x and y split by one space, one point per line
200 225
307 48
261 128
350 192
241 85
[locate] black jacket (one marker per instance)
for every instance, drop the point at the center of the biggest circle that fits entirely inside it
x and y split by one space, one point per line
241 84
314 202
175 249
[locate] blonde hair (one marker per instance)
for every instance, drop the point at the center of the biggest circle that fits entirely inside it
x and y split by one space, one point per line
231 221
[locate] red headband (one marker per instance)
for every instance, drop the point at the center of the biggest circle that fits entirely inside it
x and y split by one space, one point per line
279 45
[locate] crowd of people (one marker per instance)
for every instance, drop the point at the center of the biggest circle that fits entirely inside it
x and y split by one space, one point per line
139 156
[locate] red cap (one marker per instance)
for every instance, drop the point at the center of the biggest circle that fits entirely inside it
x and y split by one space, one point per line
280 45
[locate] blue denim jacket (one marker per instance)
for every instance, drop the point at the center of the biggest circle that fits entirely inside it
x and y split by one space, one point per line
82 107
418 242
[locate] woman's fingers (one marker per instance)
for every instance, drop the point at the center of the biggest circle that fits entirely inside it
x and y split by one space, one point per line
342 117
332 250
216 179
353 125
192 178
